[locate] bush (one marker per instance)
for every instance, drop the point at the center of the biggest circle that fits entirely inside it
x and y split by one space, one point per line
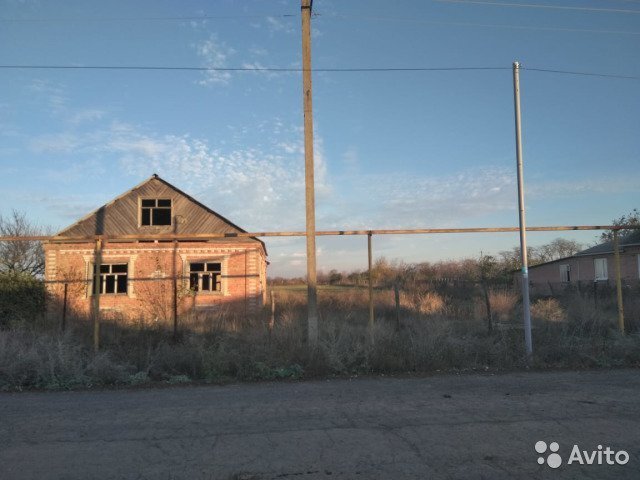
22 299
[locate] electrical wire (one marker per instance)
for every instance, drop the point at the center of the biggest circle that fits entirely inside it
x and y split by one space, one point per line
536 5
486 25
133 19
243 69
585 74
297 70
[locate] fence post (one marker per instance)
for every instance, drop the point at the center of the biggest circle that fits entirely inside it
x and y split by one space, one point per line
616 252
272 321
64 307
487 301
396 291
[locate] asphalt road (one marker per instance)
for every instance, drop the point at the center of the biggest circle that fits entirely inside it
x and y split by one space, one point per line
453 426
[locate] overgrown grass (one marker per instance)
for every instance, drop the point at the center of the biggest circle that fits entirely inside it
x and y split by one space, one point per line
437 332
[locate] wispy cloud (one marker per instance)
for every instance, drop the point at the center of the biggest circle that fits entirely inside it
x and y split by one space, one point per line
278 25
214 54
578 186
55 143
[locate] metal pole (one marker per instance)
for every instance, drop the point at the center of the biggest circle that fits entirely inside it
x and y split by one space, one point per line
64 308
96 296
616 252
312 299
175 290
371 317
523 233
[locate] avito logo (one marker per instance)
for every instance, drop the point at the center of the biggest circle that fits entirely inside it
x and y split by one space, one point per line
600 456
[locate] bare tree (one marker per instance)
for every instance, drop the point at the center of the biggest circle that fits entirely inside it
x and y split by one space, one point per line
631 219
22 256
558 248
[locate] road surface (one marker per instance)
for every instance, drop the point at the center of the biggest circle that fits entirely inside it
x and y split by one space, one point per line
447 426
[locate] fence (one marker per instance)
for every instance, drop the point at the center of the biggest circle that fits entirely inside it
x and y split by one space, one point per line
171 292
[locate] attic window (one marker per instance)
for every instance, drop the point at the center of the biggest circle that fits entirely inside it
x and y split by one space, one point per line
155 211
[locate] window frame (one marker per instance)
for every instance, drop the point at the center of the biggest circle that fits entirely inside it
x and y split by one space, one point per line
103 278
141 207
565 273
211 274
604 262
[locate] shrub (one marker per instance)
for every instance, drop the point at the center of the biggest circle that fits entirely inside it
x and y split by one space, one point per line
22 299
548 309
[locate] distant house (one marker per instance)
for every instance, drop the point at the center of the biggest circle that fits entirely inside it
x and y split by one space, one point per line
140 278
595 264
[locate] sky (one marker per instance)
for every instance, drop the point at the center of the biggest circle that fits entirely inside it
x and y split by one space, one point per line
412 149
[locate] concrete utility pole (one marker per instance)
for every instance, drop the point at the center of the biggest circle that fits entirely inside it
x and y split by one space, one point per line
526 311
370 279
312 297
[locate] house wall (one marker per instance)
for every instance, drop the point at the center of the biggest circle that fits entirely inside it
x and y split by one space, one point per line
544 277
150 277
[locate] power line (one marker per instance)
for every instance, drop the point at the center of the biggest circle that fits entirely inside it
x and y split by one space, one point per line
536 5
243 69
155 18
487 25
585 74
298 70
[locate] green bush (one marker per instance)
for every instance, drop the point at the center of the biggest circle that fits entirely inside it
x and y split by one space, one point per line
22 299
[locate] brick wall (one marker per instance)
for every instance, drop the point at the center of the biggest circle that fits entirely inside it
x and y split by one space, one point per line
151 271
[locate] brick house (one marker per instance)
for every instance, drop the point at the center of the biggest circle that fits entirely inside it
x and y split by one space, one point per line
140 278
593 265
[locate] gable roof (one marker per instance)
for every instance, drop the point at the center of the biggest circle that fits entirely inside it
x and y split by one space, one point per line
120 215
631 238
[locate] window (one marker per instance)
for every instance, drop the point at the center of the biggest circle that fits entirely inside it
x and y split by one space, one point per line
600 267
155 211
565 273
205 277
112 278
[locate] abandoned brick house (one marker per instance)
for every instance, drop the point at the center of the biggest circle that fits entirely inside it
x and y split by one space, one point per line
140 278
593 266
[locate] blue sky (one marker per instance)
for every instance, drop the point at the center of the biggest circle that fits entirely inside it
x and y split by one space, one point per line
393 149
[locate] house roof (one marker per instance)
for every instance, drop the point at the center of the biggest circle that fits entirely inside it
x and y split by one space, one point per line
628 240
631 238
120 215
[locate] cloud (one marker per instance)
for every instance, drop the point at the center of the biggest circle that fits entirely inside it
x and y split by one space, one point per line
261 187
582 186
55 143
403 200
214 54
52 93
277 25
86 115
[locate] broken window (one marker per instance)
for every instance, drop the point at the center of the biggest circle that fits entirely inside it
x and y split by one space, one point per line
205 277
155 211
112 277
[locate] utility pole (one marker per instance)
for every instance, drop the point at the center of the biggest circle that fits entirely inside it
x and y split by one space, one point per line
616 253
370 261
526 311
312 294
97 287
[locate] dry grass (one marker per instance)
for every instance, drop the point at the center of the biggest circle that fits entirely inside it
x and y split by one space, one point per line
227 345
